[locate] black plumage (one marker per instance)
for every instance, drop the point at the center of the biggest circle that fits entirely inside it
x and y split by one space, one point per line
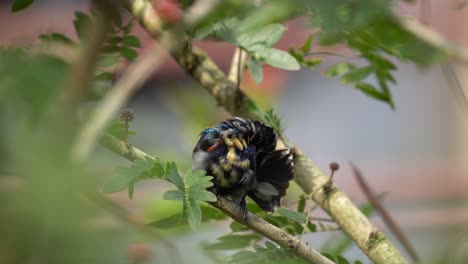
241 155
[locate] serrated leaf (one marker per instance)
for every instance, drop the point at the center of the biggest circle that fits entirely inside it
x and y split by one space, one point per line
128 53
255 69
117 183
339 69
279 59
356 75
296 216
267 36
131 41
19 5
174 195
198 180
172 174
193 214
157 170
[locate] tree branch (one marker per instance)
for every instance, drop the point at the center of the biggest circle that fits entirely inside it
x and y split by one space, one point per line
136 75
309 177
435 39
237 66
252 221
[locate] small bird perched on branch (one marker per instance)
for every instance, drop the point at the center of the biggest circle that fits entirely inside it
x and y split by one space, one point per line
241 155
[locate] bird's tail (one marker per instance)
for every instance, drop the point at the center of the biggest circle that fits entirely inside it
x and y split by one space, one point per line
273 175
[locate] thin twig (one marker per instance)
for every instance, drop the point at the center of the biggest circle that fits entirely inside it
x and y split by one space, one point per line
133 78
235 212
374 200
237 66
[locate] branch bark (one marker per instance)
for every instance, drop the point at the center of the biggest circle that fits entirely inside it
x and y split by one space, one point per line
252 221
308 176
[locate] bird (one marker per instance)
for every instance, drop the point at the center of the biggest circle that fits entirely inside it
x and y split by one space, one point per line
242 158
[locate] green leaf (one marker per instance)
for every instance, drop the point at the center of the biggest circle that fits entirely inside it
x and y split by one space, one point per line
305 48
128 53
117 183
131 189
254 108
59 37
194 214
202 195
313 62
19 5
167 222
105 76
172 174
210 213
296 216
371 91
81 23
356 75
268 36
131 41
256 71
157 170
339 69
230 242
128 28
341 260
110 48
301 204
237 227
108 61
312 227
197 180
279 59
115 40
174 195
117 129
